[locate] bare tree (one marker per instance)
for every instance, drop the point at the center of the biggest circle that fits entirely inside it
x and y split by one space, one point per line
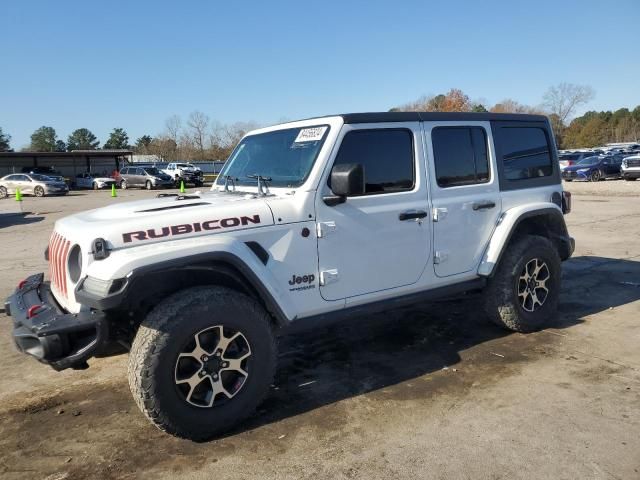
198 123
563 100
173 127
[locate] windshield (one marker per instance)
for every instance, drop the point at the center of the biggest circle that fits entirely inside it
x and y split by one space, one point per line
589 161
285 156
184 165
151 170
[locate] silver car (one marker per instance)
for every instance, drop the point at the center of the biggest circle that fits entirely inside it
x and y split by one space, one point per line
146 177
31 184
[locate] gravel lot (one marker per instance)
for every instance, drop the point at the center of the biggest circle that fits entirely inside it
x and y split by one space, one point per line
427 392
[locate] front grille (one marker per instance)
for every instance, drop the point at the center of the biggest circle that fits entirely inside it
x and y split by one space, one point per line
633 162
58 251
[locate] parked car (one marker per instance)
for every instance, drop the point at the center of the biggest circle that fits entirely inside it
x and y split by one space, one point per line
147 177
630 168
92 180
571 158
31 184
46 171
594 169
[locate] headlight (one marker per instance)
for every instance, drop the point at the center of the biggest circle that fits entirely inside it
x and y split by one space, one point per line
74 263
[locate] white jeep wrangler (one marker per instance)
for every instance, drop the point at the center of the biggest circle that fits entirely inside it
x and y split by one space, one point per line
309 221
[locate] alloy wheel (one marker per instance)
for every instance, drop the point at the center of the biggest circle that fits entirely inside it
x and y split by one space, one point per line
212 368
532 285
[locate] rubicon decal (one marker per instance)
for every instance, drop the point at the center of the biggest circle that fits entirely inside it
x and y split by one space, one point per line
185 228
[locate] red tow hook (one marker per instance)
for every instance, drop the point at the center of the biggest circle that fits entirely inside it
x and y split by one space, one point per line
21 284
32 310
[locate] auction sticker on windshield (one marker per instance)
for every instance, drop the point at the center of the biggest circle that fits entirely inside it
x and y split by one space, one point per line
310 134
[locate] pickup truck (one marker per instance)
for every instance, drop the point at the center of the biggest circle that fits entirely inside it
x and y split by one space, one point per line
185 172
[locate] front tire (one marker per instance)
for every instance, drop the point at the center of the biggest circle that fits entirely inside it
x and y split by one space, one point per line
3 192
95 186
148 185
123 185
595 176
38 192
202 361
523 294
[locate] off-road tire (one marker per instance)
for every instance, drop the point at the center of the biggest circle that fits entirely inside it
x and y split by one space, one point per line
38 191
502 304
160 340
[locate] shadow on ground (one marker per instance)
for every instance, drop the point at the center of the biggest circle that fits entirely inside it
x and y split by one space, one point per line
11 219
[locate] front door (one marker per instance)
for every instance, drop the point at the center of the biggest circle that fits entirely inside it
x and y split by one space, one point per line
379 240
466 194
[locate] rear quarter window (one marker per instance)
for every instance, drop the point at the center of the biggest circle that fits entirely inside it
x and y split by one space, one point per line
525 153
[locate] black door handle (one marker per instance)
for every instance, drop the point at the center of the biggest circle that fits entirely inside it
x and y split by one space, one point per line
483 205
412 215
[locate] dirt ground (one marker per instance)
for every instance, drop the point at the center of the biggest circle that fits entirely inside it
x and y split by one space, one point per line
427 392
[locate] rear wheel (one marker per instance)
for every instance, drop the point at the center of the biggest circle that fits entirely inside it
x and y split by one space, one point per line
523 294
38 191
3 192
202 361
95 186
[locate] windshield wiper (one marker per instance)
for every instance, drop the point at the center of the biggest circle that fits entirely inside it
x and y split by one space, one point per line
229 179
263 186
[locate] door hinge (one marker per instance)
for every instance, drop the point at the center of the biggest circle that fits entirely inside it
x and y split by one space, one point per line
328 276
440 257
439 214
325 228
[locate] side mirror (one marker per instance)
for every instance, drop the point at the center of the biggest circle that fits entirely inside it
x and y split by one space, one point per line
347 180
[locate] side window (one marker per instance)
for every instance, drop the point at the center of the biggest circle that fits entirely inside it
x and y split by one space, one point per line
124 171
386 155
525 153
460 156
11 178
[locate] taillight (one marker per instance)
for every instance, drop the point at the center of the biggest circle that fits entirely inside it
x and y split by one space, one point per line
566 202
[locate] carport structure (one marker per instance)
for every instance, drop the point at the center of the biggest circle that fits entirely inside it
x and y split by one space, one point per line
69 164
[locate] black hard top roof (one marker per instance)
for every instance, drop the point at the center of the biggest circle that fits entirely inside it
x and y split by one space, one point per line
380 117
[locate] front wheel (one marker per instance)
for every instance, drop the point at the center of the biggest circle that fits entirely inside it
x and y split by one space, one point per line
202 361
95 186
3 192
523 294
123 185
148 185
595 176
38 191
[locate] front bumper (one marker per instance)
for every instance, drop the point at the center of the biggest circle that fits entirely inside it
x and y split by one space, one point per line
45 331
635 173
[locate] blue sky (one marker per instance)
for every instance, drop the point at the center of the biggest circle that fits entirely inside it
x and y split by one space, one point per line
72 64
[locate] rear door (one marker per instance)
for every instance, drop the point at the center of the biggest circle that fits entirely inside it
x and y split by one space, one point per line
465 193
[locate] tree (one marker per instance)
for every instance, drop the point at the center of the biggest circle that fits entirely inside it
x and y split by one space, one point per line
5 138
43 140
563 100
173 126
164 147
479 108
118 139
198 123
60 146
142 143
82 139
